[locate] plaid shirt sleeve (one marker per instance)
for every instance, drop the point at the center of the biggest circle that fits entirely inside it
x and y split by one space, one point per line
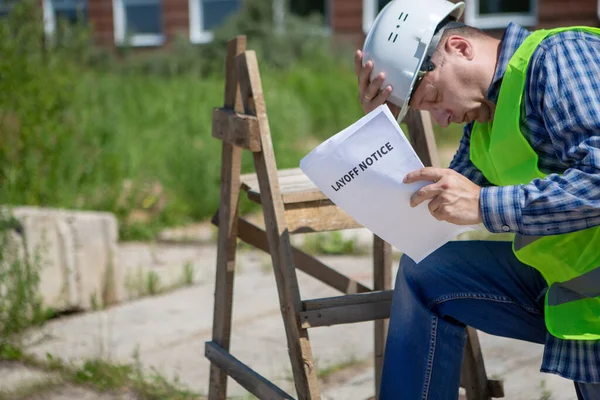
564 92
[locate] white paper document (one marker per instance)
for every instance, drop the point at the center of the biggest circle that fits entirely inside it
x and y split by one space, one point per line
361 170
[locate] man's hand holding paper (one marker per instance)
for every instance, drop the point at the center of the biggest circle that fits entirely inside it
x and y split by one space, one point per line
451 197
362 170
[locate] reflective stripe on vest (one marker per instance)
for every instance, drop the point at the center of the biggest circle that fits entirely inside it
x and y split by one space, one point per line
586 285
568 262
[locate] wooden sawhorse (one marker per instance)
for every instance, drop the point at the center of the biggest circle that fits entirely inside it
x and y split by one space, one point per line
292 204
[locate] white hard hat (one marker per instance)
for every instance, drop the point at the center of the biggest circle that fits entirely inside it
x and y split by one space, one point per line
401 41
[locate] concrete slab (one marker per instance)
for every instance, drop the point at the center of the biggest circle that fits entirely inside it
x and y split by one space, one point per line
168 332
16 379
70 392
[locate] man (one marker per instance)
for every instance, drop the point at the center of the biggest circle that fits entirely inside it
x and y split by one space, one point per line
528 163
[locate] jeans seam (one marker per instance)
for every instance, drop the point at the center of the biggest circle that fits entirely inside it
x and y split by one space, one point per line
430 356
479 296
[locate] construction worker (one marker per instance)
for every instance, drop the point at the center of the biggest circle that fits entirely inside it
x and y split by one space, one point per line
528 163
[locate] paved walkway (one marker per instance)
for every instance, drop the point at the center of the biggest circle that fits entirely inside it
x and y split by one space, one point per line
168 331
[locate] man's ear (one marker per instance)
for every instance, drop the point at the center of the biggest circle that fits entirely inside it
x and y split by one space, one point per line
459 46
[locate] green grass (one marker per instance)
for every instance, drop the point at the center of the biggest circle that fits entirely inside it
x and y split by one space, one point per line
105 376
331 243
154 131
346 363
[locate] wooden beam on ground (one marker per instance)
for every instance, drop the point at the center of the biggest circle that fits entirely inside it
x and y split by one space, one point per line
257 237
244 375
236 129
347 309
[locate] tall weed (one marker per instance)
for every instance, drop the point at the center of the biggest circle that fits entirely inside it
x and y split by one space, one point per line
20 301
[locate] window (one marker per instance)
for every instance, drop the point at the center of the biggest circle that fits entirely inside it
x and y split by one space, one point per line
486 14
4 8
55 11
311 8
70 11
206 15
303 8
371 9
138 22
306 8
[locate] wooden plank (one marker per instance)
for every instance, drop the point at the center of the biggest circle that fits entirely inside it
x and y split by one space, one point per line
382 280
256 237
305 217
294 195
422 137
496 388
294 185
381 296
251 178
474 377
244 375
236 129
303 368
346 314
231 163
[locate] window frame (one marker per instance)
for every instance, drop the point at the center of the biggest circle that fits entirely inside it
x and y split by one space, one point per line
369 12
49 16
499 20
136 40
198 35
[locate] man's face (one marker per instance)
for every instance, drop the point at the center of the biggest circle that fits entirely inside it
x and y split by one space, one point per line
451 92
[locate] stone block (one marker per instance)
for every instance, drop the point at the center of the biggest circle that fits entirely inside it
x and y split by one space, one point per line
77 252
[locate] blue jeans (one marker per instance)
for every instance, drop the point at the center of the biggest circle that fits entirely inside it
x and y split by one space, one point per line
476 283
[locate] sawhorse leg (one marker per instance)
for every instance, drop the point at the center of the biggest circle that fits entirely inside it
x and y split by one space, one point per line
382 280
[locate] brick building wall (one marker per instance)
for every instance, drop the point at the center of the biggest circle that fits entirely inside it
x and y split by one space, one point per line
345 18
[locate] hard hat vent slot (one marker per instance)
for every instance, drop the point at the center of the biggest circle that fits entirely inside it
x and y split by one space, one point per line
402 17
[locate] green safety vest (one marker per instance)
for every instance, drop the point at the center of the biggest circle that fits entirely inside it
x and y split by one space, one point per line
570 263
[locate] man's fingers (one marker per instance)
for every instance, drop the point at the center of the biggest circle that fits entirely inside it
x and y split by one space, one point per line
425 174
364 76
434 205
425 193
372 90
357 62
382 96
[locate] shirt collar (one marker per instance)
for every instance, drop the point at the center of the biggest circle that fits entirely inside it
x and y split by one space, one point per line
513 37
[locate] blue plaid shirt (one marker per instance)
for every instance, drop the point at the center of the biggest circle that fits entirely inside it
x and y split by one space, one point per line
561 120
